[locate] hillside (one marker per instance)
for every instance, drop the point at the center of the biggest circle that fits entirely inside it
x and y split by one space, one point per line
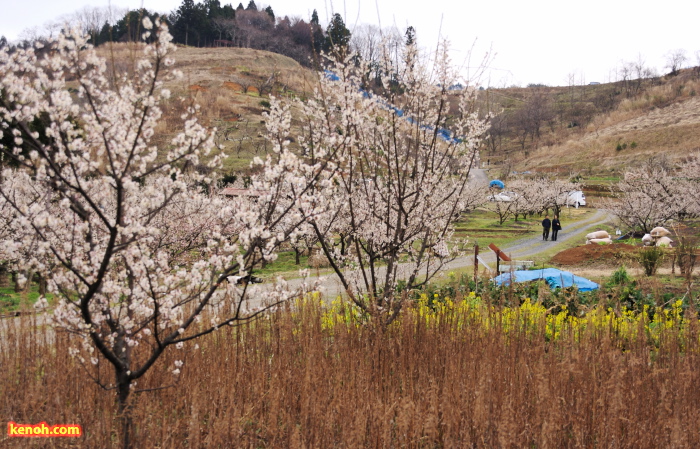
625 138
593 131
614 129
232 87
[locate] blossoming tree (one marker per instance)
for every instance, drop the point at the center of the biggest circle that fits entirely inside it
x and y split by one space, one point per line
139 257
653 194
401 178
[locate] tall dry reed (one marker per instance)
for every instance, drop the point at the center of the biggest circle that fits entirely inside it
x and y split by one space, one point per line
291 381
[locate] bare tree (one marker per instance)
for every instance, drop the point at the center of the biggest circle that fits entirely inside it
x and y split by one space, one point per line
225 27
675 60
504 204
625 74
265 84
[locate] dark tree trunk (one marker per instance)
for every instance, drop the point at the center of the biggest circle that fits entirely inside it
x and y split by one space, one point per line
126 421
42 285
4 276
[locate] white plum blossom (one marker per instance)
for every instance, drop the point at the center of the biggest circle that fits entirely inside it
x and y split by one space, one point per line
401 152
655 193
134 248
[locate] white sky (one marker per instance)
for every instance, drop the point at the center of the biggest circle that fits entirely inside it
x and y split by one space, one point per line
538 41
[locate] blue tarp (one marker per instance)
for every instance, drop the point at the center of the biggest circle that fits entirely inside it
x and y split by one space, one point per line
555 278
441 132
331 76
497 183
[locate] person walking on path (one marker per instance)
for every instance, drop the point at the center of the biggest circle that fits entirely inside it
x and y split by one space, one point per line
546 224
556 227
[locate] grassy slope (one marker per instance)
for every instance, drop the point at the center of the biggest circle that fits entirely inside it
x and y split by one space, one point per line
226 83
664 118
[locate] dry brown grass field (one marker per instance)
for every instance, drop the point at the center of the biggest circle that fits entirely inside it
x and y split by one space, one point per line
291 381
231 86
663 120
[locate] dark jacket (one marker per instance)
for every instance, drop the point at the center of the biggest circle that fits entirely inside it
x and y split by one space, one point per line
546 223
556 226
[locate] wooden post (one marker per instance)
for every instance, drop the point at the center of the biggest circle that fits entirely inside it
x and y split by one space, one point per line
476 262
500 256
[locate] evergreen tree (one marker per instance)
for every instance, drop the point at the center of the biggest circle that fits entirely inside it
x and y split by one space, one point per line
337 36
185 19
191 25
240 7
227 12
105 34
251 6
410 42
270 13
213 8
128 28
314 18
410 36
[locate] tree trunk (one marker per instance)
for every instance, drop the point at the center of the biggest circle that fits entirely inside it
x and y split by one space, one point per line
28 283
4 276
15 279
42 285
125 419
297 256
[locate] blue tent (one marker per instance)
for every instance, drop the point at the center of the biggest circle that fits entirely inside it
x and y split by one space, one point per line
555 278
497 183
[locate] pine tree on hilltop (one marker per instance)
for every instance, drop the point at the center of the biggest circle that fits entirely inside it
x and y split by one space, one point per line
337 36
410 36
251 6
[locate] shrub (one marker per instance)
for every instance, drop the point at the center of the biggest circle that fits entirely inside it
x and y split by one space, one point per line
686 254
650 258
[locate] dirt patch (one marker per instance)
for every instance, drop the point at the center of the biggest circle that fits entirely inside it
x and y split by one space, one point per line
253 110
595 254
233 86
232 118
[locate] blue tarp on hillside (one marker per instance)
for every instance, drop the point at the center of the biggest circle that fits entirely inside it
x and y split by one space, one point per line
441 132
497 183
555 278
331 76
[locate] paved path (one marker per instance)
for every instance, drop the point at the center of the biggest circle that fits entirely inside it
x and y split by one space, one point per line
532 245
526 247
478 176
